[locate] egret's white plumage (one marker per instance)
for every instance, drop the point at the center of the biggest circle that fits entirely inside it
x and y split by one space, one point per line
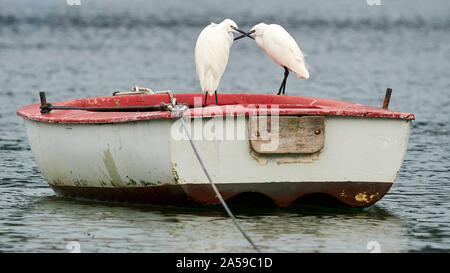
211 53
276 42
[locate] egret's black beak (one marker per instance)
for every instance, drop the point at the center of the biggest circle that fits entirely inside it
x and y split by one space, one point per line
244 34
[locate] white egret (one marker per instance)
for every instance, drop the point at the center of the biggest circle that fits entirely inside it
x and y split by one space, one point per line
276 42
211 54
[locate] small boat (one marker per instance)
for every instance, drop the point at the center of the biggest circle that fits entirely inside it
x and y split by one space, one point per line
283 147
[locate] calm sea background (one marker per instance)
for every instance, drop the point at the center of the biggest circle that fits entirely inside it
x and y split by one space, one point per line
354 52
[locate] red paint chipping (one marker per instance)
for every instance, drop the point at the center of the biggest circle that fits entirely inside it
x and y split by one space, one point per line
231 105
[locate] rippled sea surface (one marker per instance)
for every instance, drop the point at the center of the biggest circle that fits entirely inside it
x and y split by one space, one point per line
354 51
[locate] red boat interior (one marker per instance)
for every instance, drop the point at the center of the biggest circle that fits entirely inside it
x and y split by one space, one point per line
229 105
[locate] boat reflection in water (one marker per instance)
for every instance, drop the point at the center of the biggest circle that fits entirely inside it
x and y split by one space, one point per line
306 226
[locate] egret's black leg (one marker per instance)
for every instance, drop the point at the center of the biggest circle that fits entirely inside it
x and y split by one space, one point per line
215 92
206 97
286 74
281 86
283 83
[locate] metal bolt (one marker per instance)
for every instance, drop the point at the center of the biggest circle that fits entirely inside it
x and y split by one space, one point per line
317 132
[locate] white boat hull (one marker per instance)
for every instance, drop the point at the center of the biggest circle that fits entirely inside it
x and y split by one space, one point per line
359 161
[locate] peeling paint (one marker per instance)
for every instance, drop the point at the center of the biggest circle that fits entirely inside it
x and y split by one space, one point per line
146 183
57 182
92 101
361 197
373 195
131 182
80 182
175 173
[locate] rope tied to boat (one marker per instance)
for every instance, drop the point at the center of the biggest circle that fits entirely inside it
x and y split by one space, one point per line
177 111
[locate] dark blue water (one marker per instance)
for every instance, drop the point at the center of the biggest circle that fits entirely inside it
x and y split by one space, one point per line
354 52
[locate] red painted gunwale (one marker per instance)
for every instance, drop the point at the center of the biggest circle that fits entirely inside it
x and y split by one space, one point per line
230 105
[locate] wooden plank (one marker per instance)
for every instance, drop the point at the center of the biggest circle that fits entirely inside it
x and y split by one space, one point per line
287 134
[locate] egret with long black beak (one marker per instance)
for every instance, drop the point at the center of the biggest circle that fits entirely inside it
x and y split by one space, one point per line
276 42
211 54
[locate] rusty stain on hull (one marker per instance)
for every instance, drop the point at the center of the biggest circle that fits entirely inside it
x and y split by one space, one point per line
355 194
364 197
261 160
280 159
